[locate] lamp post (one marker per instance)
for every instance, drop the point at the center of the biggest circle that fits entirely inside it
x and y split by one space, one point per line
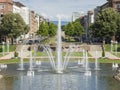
111 46
3 48
8 46
116 47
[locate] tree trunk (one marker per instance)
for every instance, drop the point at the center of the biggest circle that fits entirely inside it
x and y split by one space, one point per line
113 38
12 41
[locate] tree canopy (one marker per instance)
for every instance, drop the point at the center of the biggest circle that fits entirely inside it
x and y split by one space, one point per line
52 29
13 25
74 29
78 29
69 29
47 29
106 24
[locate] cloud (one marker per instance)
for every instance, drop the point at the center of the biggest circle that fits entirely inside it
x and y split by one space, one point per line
51 8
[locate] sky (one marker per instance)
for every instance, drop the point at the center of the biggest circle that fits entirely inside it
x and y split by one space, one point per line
52 8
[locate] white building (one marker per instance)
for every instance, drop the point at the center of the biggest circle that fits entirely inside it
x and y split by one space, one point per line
90 17
22 10
76 15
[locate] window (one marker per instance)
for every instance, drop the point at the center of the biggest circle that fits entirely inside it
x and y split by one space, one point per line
118 5
1 6
1 14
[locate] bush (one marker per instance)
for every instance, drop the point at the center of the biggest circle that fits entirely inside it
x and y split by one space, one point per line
103 53
15 54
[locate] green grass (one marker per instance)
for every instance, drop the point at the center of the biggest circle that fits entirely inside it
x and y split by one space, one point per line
12 61
101 60
12 48
105 61
118 54
80 54
108 47
1 55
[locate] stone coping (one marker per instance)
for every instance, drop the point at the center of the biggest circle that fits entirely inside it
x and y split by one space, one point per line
1 76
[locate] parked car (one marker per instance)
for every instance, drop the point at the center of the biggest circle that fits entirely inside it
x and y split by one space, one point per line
30 42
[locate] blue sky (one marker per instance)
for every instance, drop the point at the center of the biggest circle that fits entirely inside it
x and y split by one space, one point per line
51 8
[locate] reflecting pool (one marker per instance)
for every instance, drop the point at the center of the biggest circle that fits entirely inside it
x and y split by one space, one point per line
72 79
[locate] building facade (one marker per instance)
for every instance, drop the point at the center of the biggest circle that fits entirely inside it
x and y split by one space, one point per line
114 4
5 7
76 15
22 10
34 22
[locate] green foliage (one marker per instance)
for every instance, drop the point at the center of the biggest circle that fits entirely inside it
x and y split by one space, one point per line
78 29
47 29
69 29
52 29
13 25
43 29
12 48
103 53
74 29
15 54
106 24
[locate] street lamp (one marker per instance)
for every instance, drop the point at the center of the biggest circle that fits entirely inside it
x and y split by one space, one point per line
8 46
111 46
116 47
3 48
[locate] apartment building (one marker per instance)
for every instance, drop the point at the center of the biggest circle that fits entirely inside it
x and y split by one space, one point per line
34 22
76 15
22 10
5 7
114 4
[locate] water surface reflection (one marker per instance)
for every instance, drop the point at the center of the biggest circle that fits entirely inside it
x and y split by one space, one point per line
99 80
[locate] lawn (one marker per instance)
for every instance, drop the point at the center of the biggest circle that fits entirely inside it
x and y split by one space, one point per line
108 47
12 61
116 54
11 48
80 54
101 60
1 55
105 61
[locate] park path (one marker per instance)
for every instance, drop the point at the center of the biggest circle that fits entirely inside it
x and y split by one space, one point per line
8 56
92 52
99 54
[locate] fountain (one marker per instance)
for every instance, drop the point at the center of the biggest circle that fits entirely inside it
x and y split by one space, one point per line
87 69
60 64
59 67
8 46
34 57
96 62
3 48
21 61
115 65
30 72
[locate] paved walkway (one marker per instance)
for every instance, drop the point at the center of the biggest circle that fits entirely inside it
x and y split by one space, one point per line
8 56
92 53
1 76
99 54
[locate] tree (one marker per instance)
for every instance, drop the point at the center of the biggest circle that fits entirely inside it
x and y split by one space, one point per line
43 29
52 29
74 29
106 24
78 30
13 26
69 30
